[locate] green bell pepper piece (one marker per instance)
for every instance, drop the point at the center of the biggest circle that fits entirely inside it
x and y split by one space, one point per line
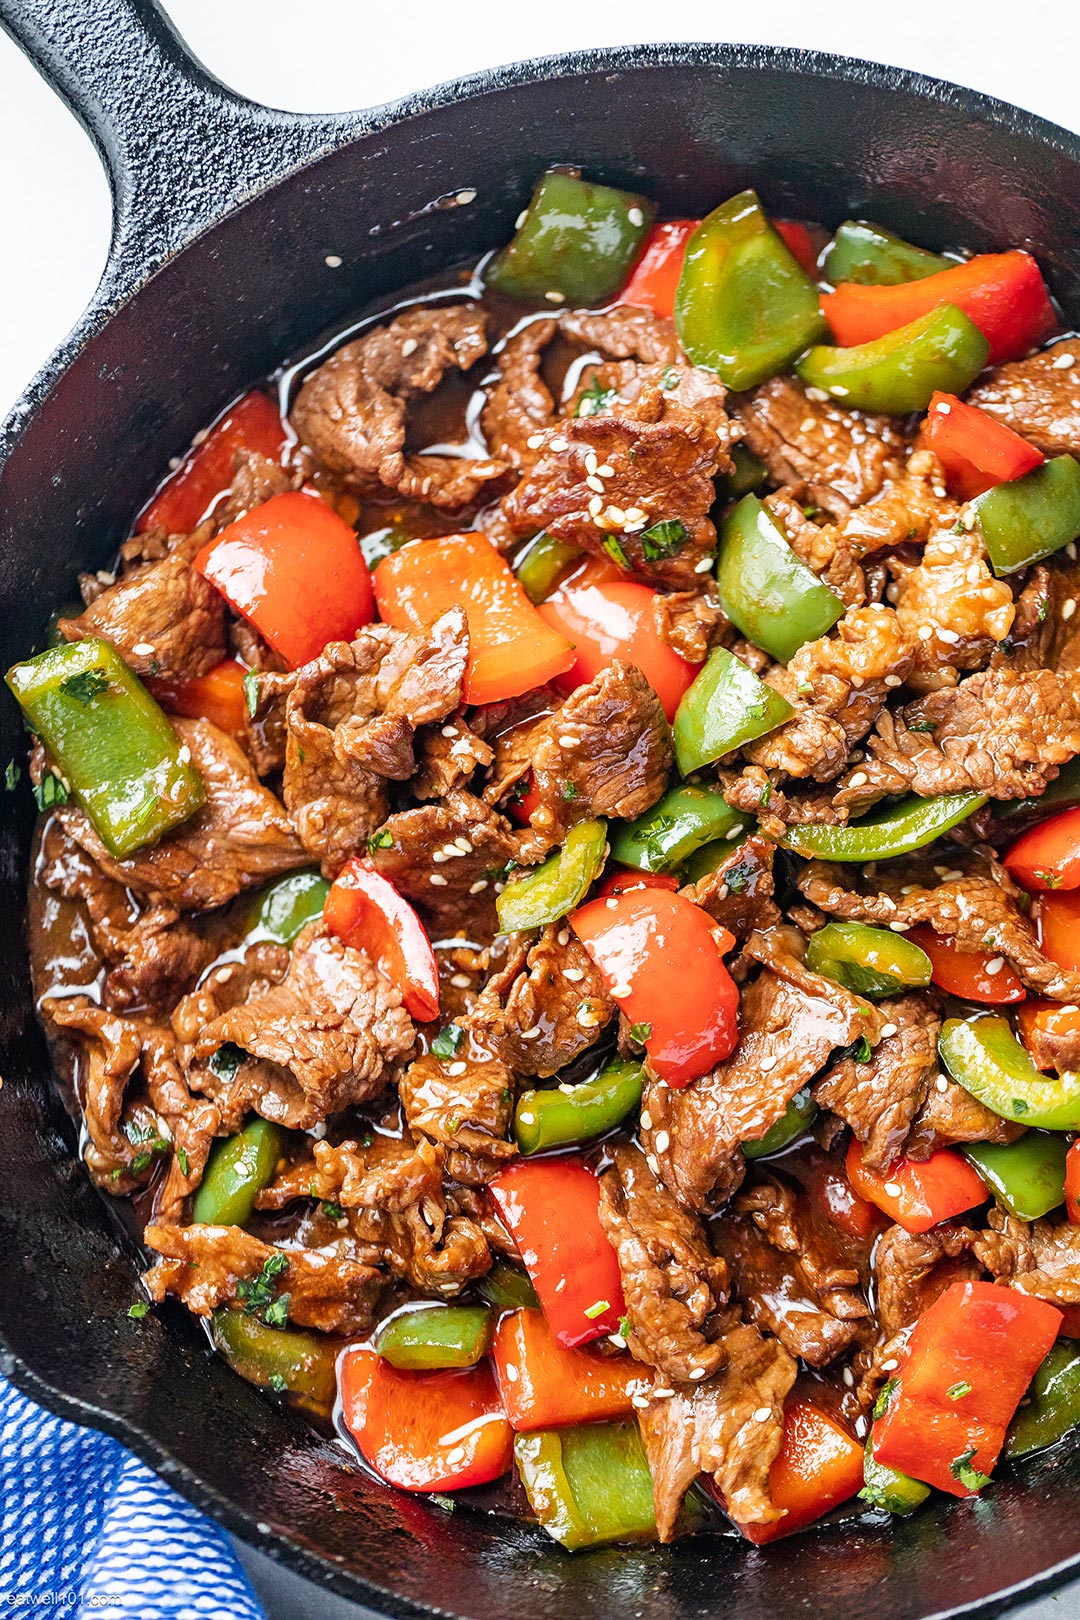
678 824
547 892
984 1056
1052 1405
887 1488
285 1360
588 1485
287 906
797 1118
744 307
431 1337
507 1287
577 239
238 1167
1027 1176
111 742
909 824
766 591
900 371
1061 794
541 564
553 1118
871 961
725 707
875 257
1031 517
748 473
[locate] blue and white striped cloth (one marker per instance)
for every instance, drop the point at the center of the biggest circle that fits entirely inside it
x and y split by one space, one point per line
87 1529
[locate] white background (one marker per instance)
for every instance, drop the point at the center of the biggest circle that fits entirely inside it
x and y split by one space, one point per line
313 55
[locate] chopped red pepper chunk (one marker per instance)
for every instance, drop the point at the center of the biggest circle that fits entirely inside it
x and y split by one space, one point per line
368 913
918 1194
253 423
799 243
1059 928
624 878
551 1208
819 1466
656 274
544 1386
975 450
614 619
970 1359
973 975
217 696
1072 1184
1047 856
1003 293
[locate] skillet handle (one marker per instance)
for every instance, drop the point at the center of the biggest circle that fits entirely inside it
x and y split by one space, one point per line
178 146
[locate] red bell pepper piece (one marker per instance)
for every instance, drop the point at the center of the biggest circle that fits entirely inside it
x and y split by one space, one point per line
511 649
1072 1184
661 960
368 913
918 1194
656 274
1048 856
965 973
612 620
544 1386
975 450
437 1431
295 569
217 696
625 878
799 243
1003 293
970 1359
819 1466
253 423
551 1208
1059 928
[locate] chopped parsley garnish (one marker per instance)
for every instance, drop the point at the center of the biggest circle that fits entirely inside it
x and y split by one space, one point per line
184 1162
1043 610
226 1060
765 795
333 1212
1019 1106
595 399
447 1041
251 692
923 725
276 1313
960 1468
614 548
640 1033
50 791
958 1391
519 790
139 1309
569 791
663 539
446 1502
804 688
380 840
597 1309
625 1328
87 684
670 380
1049 880
278 1384
860 1050
739 878
12 776
257 1293
143 1160
888 1390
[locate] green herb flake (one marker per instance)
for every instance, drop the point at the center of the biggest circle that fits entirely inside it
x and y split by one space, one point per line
595 399
765 795
442 1501
888 1390
380 840
957 1391
251 692
226 1060
1019 1106
139 1309
183 1161
923 725
276 1313
960 1468
663 539
670 380
739 878
640 1033
861 1051
625 1329
12 776
50 792
86 685
1049 880
614 548
333 1212
597 1309
278 1384
804 688
447 1041
257 1293
569 791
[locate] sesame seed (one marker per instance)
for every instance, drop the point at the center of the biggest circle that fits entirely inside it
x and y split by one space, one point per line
440 855
1063 362
409 346
763 1414
596 506
465 197
857 681
703 565
995 965
464 844
527 1118
860 779
587 1018
592 482
449 731
554 297
1068 607
333 261
635 216
890 1365
925 632
1070 551
839 391
563 936
663 1142
941 1083
612 904
457 1068
534 441
104 575
460 981
478 887
738 828
899 927
621 991
522 217
559 444
184 755
953 876
511 1372
616 515
143 649
887 1030
893 680
457 1455
437 880
634 514
575 975
590 462
861 1427
894 1189
817 394
533 1034
949 636
654 1164
640 1401
849 1377
615 1338
664 1394
646 1120
606 471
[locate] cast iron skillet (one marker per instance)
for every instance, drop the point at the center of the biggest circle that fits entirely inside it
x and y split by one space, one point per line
225 215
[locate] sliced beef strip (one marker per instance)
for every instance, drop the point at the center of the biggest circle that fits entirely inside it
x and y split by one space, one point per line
387 1173
191 1123
951 608
255 481
467 1107
1035 1257
447 758
691 622
791 1273
352 412
511 729
351 719
1046 630
729 1427
976 909
819 548
544 1006
755 793
163 618
518 404
241 836
880 1099
443 1258
604 389
672 1283
950 1115
327 1037
1039 397
911 1270
791 1021
738 894
625 332
843 457
110 1048
1053 1049
838 687
1002 732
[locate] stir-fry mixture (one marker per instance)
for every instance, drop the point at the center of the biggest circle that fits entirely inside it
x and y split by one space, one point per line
558 880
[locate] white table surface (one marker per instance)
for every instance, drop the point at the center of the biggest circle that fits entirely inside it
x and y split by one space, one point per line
331 54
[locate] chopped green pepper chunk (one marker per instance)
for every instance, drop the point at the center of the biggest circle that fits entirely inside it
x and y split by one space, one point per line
1027 1176
553 1118
797 1118
111 741
588 1485
871 961
899 372
1052 1405
888 1488
508 1287
984 1056
678 824
1031 517
282 1359
541 563
287 906
909 824
748 473
577 240
766 591
547 892
429 1337
744 307
875 257
238 1167
725 707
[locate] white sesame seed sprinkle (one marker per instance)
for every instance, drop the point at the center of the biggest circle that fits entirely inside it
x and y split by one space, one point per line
559 444
951 637
409 346
1068 607
606 471
534 441
763 1414
555 297
143 649
941 1083
596 506
465 197
439 855
635 216
612 904
575 975
768 1063
438 881
890 1365
590 462
456 1068
663 1142
894 1189
899 927
640 1401
333 261
621 991
859 779
646 1120
698 1372
1064 362
887 1030
586 1017
995 965
592 482
461 981
479 886
703 565
563 936
893 680
532 1034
